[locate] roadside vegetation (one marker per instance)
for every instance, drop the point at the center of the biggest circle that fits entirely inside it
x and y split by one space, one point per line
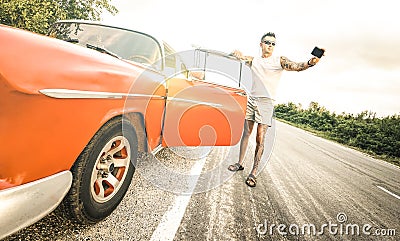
38 15
377 136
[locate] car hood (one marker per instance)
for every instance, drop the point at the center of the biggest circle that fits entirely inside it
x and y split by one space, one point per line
30 62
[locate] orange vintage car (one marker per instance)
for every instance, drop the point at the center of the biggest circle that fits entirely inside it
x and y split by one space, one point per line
78 105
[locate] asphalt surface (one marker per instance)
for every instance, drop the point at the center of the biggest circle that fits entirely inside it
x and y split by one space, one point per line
308 182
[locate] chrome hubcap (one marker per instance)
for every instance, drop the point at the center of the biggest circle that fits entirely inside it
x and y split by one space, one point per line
110 169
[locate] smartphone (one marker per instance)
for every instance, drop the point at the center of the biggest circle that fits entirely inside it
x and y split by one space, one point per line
317 52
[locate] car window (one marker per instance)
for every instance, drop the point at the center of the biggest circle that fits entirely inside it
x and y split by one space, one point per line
220 69
127 44
174 65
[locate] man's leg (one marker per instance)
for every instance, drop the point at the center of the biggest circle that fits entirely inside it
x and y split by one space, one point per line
248 128
261 130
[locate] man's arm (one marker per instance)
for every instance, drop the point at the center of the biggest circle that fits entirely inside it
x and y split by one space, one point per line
297 66
248 59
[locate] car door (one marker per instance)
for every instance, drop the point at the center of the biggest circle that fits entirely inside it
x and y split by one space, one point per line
202 112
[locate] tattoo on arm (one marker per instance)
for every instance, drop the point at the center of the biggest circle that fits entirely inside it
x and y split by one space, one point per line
293 66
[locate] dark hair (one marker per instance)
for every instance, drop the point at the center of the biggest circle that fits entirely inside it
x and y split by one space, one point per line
268 34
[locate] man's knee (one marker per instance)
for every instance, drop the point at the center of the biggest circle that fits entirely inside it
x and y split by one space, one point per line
246 133
260 140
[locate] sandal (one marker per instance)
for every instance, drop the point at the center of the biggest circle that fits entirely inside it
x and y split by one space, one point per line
251 180
235 167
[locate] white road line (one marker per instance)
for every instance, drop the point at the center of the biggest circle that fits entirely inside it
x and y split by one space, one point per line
171 220
389 192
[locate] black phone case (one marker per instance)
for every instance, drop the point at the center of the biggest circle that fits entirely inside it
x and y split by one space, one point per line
317 52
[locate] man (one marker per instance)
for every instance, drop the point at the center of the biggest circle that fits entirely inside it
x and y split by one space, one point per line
266 73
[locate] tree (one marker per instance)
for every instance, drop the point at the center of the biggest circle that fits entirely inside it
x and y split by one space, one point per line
38 15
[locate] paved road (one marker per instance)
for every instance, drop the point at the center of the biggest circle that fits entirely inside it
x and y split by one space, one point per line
308 182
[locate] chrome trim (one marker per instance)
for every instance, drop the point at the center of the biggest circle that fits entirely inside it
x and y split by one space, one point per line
219 53
86 94
241 93
157 149
194 102
26 204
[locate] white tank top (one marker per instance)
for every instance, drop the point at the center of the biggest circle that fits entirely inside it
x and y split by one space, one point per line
266 73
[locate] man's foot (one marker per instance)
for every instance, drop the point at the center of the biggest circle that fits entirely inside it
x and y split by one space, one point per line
235 167
251 180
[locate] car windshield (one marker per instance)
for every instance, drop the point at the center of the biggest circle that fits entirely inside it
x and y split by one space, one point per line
126 44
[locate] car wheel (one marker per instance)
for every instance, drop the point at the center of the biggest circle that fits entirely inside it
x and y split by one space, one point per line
102 173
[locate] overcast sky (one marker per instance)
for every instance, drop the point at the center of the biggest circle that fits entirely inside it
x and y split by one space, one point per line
361 69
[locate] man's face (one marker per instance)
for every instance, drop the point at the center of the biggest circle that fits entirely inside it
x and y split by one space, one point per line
268 44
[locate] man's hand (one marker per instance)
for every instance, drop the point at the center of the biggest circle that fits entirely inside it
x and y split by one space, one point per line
248 59
313 61
238 54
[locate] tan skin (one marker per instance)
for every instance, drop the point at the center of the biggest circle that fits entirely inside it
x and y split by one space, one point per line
286 64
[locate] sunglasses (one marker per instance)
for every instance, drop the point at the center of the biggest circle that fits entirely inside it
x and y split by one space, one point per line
267 42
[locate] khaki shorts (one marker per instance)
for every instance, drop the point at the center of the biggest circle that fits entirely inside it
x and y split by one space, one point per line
260 110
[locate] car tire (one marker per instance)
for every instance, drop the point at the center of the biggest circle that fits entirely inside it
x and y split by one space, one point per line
102 173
